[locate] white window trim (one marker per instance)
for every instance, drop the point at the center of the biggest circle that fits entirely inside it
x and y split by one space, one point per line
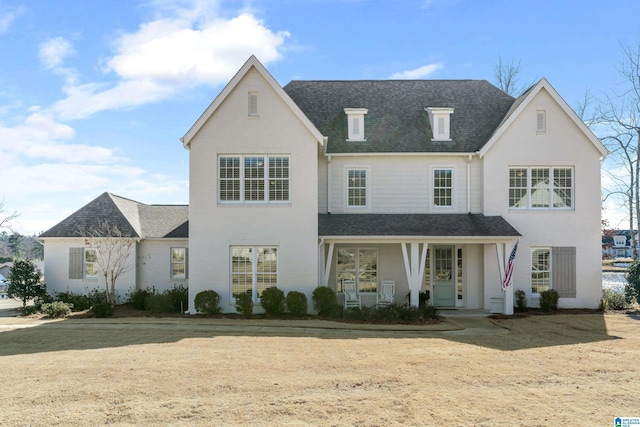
541 119
178 276
534 248
253 102
84 264
254 269
432 187
367 188
357 250
242 201
435 115
551 189
354 114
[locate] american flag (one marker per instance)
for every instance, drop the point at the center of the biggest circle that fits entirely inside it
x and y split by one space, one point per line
508 272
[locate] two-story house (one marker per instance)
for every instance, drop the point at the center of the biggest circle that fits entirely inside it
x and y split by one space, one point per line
427 183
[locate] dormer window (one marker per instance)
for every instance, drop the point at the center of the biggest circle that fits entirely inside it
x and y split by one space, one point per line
355 123
440 120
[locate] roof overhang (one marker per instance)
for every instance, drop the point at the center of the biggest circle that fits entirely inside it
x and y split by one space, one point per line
476 228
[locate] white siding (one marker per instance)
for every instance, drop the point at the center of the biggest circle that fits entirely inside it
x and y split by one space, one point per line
56 258
400 184
563 144
292 228
154 264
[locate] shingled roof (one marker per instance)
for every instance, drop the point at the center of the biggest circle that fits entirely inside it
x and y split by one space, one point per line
424 225
132 218
396 121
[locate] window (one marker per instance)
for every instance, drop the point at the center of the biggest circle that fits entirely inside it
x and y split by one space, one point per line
355 123
253 104
90 263
261 179
541 188
554 268
541 120
178 263
360 265
356 187
253 269
540 270
440 121
442 187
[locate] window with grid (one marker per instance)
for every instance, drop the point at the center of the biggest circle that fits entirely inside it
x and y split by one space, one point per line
357 187
442 187
540 270
279 179
253 269
359 265
229 178
178 263
541 188
90 263
260 179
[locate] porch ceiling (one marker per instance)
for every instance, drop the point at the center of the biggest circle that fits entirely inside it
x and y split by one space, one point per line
415 225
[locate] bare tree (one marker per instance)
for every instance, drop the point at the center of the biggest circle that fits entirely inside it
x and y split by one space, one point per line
507 75
113 250
4 222
620 113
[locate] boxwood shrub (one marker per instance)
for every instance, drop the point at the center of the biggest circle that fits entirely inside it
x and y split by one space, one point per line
207 302
272 300
297 303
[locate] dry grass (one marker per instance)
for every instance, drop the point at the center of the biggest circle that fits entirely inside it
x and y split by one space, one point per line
550 370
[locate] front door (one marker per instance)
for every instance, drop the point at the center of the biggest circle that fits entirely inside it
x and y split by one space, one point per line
444 283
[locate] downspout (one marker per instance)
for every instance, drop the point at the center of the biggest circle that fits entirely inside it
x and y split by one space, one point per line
469 184
328 184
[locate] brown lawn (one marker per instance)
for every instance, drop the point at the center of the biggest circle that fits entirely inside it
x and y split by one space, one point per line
549 370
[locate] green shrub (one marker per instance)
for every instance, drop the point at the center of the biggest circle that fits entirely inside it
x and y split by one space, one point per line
179 297
159 303
103 309
81 302
244 304
549 300
56 309
297 303
632 289
325 301
272 300
138 298
207 302
612 300
521 300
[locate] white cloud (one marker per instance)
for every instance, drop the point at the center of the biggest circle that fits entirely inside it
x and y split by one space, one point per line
417 73
187 46
54 51
8 16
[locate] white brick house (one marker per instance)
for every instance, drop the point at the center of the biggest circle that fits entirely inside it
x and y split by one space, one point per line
427 183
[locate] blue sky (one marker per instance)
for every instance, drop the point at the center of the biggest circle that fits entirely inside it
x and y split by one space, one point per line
95 96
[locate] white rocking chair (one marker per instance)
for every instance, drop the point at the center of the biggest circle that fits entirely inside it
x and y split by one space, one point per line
386 295
351 296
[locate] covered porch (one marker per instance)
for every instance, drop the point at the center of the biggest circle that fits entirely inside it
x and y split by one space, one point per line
451 261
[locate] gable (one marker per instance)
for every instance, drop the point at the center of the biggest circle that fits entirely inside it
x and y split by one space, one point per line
252 66
562 119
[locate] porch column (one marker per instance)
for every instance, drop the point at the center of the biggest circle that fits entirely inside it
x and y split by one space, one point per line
414 267
325 264
508 292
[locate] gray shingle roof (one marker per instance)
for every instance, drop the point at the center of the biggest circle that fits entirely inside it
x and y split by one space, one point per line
132 218
396 121
428 225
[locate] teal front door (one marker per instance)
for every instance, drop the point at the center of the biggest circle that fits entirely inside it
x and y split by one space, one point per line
444 284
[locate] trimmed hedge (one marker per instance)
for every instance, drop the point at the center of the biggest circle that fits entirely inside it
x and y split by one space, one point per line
207 302
297 303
